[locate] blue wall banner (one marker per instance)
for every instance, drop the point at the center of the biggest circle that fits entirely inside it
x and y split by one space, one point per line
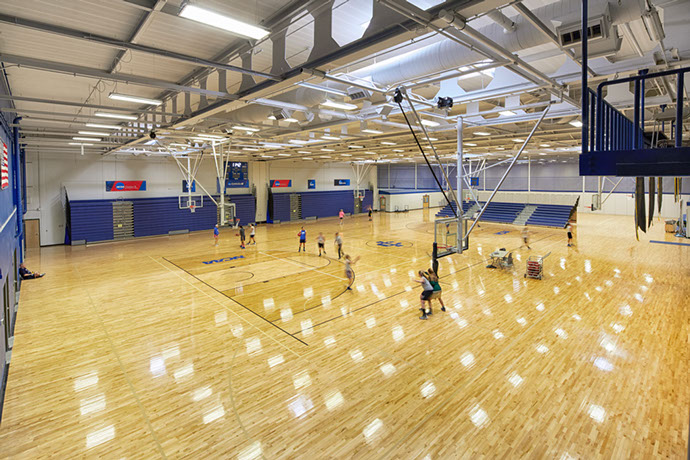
125 185
185 189
311 184
237 175
341 182
281 183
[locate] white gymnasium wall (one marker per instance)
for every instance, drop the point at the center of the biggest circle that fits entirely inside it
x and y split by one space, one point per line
84 177
413 201
323 173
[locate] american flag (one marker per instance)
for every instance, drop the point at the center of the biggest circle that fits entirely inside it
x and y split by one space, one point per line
5 179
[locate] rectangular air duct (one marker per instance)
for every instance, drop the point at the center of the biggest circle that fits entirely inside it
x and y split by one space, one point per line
356 94
602 36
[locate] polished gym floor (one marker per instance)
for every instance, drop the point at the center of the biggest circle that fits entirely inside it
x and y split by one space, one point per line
170 347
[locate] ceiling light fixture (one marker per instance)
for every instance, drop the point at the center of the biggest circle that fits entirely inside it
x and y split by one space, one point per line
327 150
98 125
323 88
372 131
94 133
353 146
298 141
430 123
249 149
209 136
303 151
222 22
470 144
544 145
307 158
339 105
482 133
507 113
291 120
284 154
246 128
517 139
115 115
330 138
80 143
87 139
398 150
388 143
576 123
137 99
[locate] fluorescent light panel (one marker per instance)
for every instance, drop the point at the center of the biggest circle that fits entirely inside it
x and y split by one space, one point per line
246 128
388 143
430 123
222 22
87 139
372 131
137 99
80 143
94 133
98 125
576 123
115 115
482 133
507 113
330 138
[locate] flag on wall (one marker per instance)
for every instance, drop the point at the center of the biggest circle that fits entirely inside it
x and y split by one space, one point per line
5 181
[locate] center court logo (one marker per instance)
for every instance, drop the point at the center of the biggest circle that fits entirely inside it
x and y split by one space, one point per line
389 244
227 259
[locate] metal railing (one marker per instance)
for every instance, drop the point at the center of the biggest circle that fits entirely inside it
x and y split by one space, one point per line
610 129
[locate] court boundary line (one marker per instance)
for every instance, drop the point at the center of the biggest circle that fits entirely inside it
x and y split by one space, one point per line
238 303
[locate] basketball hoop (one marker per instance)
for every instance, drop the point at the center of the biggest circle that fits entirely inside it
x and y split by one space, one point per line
192 207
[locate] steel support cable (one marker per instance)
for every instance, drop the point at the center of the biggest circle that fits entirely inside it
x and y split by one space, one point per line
427 160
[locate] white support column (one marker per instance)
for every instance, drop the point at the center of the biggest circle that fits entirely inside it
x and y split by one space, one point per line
529 176
460 231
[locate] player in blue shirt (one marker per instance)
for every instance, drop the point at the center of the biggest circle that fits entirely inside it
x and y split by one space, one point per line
216 233
302 240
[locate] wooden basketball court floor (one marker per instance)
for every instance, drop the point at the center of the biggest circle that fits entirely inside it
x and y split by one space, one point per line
170 347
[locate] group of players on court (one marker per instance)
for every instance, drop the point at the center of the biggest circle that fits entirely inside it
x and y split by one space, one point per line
431 288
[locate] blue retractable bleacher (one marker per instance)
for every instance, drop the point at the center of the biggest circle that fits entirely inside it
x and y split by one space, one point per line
495 212
551 215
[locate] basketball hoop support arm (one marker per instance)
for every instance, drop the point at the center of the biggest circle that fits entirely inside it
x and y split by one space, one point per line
510 167
187 172
220 161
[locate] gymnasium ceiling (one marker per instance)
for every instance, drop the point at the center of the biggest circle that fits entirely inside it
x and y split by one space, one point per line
63 59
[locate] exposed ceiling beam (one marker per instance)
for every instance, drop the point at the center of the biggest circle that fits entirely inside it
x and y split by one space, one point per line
123 45
138 30
85 106
52 66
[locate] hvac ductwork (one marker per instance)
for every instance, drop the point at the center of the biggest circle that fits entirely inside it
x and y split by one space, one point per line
447 55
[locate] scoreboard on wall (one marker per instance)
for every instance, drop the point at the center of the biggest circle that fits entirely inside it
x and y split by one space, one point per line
237 175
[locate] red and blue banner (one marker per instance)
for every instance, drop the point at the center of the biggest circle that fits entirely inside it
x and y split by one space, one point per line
281 183
125 185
